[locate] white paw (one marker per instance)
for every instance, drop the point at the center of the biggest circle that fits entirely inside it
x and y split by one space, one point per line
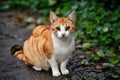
37 68
56 74
66 71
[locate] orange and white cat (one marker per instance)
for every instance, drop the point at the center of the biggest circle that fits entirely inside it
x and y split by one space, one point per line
49 46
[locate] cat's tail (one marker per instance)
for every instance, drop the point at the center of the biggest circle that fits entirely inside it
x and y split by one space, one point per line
17 51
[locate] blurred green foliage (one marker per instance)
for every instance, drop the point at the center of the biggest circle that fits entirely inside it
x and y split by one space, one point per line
97 23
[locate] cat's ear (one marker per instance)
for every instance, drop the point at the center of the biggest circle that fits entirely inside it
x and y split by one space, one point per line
53 17
72 16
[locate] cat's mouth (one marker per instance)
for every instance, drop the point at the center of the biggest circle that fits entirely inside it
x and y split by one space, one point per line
63 38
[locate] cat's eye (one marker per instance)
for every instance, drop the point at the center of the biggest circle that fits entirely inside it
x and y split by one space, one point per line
67 28
58 28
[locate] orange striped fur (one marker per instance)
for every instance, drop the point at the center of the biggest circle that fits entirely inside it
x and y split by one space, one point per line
40 46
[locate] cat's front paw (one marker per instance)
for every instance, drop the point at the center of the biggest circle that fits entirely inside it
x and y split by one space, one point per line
66 71
56 74
37 68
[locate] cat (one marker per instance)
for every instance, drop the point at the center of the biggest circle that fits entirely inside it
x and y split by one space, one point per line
49 46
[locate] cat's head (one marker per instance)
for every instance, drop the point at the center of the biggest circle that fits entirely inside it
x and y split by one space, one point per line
62 27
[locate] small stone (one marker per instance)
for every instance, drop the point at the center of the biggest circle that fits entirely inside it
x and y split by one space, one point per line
98 67
15 36
98 70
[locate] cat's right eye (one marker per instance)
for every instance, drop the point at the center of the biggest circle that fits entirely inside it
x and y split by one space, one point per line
67 28
58 28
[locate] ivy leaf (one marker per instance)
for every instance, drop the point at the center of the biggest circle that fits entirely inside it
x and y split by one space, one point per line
89 27
103 38
116 34
114 59
99 28
31 26
105 29
39 20
115 75
109 53
28 19
52 2
82 56
5 7
97 19
100 53
95 57
83 3
108 65
86 45
85 62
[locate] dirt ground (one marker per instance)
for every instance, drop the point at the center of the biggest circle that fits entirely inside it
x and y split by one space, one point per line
10 67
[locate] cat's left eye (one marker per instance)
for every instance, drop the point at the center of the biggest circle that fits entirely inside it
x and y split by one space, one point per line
58 28
67 28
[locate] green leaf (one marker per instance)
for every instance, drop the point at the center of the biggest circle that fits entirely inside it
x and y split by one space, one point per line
28 19
115 75
85 62
83 3
100 53
108 65
114 59
103 38
116 34
86 45
98 28
94 33
100 10
95 57
5 7
31 26
105 29
109 53
82 56
52 2
39 20
115 16
97 19
89 27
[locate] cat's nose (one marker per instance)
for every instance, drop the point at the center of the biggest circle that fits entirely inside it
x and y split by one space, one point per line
63 35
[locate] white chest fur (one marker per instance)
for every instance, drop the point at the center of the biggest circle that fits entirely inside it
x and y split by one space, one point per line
62 48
